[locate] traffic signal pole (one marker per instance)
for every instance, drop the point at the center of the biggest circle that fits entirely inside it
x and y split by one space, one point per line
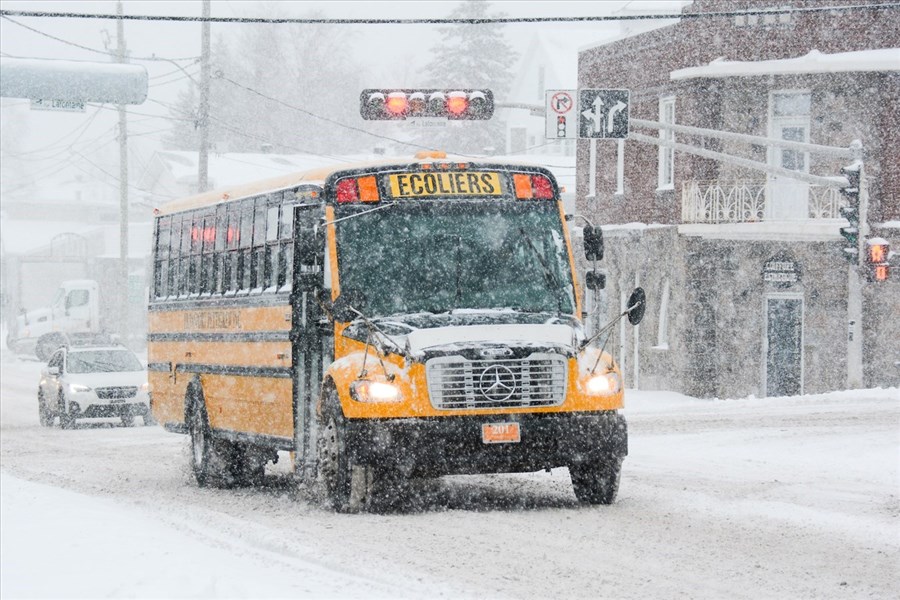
123 188
854 289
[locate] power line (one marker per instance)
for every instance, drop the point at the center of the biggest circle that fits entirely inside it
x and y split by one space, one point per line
3 13
453 21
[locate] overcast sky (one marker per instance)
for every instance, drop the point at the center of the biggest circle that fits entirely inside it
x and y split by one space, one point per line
378 48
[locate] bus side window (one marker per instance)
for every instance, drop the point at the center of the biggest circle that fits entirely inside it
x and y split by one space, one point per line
163 233
174 251
184 260
207 262
232 236
219 251
246 245
258 256
196 247
286 255
272 250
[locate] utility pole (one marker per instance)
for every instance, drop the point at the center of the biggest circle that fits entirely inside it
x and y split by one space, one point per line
203 158
123 186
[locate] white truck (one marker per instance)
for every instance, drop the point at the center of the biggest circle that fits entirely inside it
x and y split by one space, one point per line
75 311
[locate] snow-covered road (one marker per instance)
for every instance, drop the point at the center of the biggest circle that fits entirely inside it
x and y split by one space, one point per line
755 498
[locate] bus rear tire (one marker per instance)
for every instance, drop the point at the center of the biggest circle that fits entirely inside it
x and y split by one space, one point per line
596 482
208 463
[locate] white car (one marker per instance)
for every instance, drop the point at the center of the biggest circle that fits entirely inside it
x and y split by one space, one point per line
93 382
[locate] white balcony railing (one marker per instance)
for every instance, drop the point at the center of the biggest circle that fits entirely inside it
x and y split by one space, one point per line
749 201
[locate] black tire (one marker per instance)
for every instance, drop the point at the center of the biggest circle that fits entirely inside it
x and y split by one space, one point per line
44 413
348 487
127 418
66 420
246 466
207 462
596 482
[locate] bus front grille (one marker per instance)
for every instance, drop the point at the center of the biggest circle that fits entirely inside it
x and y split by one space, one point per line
455 382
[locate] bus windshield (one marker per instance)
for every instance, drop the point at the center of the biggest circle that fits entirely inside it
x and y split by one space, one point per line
438 256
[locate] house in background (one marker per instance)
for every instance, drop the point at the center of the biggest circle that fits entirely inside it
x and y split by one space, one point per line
747 281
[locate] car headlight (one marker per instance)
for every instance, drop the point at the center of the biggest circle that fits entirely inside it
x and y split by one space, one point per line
77 388
145 387
364 390
608 383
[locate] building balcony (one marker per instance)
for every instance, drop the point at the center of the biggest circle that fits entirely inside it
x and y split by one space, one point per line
755 201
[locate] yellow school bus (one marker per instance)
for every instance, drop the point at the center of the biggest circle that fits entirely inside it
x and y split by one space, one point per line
382 321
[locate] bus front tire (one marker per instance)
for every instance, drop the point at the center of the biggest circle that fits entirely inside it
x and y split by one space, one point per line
596 482
347 487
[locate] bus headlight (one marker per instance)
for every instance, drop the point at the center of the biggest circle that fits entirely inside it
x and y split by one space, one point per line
608 383
364 390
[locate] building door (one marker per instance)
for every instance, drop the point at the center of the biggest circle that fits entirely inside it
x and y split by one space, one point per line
784 345
788 198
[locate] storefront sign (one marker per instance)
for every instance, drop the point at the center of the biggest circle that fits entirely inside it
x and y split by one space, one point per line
781 270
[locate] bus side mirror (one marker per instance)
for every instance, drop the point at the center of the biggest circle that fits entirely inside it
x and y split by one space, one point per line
593 242
595 280
637 304
347 306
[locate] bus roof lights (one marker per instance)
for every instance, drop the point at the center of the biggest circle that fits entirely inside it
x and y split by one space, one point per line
529 187
346 191
368 189
542 188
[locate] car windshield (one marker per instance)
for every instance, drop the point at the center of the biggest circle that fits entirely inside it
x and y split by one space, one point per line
438 256
103 361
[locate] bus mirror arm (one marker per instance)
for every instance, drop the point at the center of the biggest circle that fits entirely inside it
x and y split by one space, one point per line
636 305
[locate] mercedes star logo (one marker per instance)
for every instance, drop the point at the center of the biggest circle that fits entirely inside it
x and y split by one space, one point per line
497 383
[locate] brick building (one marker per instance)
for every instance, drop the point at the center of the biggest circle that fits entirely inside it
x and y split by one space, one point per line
745 272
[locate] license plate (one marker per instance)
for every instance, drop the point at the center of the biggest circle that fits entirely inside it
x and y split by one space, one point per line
500 433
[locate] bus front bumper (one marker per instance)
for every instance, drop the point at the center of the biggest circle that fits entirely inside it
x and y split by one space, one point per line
431 447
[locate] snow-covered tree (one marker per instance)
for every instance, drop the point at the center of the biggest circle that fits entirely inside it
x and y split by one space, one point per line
471 56
296 86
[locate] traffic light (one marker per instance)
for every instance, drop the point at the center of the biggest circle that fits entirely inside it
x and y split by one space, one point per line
561 126
402 104
877 266
851 213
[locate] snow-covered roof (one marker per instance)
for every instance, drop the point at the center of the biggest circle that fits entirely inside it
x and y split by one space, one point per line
234 168
884 59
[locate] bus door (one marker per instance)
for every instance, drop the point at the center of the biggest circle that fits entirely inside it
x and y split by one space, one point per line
310 341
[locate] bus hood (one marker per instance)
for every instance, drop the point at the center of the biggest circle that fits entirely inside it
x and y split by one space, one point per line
420 340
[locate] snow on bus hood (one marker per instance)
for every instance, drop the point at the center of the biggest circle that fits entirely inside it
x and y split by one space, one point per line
557 334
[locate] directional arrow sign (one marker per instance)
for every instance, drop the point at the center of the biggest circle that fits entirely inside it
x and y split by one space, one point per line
603 113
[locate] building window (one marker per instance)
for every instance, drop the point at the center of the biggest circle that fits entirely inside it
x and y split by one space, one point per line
667 154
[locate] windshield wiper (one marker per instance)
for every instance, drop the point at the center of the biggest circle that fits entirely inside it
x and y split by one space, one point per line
549 276
365 212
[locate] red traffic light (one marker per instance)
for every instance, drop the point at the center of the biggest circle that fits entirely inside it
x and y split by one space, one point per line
394 104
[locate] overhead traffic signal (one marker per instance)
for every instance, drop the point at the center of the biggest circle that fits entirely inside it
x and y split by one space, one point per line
401 104
851 212
877 266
